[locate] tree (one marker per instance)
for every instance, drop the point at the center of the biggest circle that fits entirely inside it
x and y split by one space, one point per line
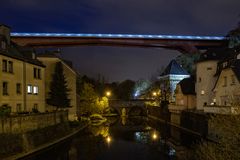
88 98
58 95
125 89
225 130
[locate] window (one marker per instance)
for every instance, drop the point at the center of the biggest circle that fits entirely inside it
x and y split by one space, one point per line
5 88
7 66
29 89
19 107
202 92
10 66
18 88
35 89
224 81
4 65
209 68
199 79
233 79
225 64
3 45
37 73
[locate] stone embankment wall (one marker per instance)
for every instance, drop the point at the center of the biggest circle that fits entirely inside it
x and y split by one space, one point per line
25 123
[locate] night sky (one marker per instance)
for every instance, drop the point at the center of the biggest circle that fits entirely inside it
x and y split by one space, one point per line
180 17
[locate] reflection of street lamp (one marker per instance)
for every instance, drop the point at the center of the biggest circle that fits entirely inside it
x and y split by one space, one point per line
154 94
108 93
108 139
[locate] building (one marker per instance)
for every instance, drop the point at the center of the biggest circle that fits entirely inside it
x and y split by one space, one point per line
50 60
185 99
170 77
206 75
226 99
22 77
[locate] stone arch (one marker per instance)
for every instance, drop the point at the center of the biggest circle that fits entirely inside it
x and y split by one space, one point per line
137 111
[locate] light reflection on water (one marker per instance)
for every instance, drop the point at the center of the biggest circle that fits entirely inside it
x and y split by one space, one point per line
130 138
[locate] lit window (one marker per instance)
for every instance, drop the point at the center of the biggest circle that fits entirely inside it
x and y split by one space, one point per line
29 89
35 89
202 92
225 64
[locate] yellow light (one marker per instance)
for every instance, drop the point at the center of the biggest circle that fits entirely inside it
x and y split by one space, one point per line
108 139
154 136
108 93
154 93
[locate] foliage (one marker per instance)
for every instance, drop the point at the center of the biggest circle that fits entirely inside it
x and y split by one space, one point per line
225 130
187 61
102 104
58 95
234 37
5 110
125 89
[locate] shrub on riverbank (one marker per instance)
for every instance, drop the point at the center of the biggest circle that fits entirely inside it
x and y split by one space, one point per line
10 143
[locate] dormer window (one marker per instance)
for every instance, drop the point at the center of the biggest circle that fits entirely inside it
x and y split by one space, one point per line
3 45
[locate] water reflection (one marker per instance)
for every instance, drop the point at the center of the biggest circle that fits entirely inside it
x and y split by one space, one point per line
128 138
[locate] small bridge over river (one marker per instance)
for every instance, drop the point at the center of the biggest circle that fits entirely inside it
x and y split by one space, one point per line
133 107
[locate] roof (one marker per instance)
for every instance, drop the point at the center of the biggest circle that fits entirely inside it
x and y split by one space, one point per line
14 52
215 54
236 68
174 68
188 85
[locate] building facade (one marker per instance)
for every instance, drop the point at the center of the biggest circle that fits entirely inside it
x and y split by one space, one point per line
50 60
170 77
22 83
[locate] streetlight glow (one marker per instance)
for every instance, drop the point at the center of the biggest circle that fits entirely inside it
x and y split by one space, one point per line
108 139
108 93
154 136
154 93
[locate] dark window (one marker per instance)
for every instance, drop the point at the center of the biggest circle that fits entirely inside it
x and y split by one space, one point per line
19 107
199 79
5 88
233 79
39 73
4 65
18 88
35 72
3 45
10 66
209 68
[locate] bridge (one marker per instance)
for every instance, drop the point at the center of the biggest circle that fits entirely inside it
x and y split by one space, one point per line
134 107
181 43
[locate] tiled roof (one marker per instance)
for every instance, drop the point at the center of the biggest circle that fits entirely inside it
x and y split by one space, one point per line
188 85
174 68
14 52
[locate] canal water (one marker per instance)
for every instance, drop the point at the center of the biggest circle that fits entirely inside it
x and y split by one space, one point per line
118 139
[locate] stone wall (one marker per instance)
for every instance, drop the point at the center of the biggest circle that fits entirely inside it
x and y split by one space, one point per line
25 123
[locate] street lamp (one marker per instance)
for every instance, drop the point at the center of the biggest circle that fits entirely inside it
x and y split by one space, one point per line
154 94
108 93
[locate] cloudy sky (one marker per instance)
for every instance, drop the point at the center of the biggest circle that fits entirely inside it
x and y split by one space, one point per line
175 17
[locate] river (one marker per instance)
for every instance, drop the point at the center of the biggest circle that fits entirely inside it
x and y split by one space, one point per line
118 139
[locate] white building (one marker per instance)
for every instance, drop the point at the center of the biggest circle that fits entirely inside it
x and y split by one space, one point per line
170 77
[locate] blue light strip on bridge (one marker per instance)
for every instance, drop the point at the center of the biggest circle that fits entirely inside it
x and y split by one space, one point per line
90 35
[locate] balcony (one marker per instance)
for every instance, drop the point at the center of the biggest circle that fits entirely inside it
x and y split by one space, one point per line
176 108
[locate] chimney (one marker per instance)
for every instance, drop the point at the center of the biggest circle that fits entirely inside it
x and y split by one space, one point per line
5 31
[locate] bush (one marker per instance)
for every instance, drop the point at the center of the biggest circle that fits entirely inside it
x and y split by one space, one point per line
5 110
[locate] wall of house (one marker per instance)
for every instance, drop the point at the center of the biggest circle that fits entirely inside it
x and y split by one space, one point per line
12 98
39 98
227 93
24 123
205 81
70 76
185 100
23 74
